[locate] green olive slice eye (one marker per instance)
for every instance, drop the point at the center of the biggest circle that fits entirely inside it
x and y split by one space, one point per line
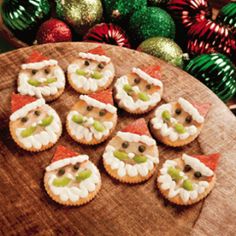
128 88
28 131
188 119
37 113
61 172
102 112
174 173
137 80
46 121
188 185
198 174
86 63
166 115
187 168
125 144
24 119
178 111
141 148
89 108
83 175
61 182
179 128
97 125
96 75
81 72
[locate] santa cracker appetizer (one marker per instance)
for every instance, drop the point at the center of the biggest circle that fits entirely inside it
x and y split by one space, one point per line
41 77
139 91
34 125
178 123
92 71
93 118
132 155
188 179
71 179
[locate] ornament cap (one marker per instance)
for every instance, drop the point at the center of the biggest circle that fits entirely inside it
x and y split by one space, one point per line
115 14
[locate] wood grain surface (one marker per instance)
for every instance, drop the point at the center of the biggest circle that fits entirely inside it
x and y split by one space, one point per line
119 209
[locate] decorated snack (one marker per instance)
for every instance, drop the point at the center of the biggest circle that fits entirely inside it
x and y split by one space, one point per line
34 125
41 77
71 179
132 155
139 91
178 123
189 179
93 118
92 71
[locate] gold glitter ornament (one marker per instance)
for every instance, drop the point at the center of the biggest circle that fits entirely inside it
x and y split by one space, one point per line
81 15
165 49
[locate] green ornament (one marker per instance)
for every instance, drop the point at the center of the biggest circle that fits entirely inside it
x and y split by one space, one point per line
23 17
163 48
150 22
227 16
81 15
157 2
217 72
119 11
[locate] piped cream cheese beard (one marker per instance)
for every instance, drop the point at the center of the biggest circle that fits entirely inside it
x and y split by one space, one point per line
90 119
138 91
86 128
185 177
177 121
131 154
36 125
41 79
91 72
72 179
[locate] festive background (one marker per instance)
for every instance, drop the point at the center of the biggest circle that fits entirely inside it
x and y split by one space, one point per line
198 36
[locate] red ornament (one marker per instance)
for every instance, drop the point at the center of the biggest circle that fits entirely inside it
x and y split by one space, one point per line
52 31
186 12
107 33
207 36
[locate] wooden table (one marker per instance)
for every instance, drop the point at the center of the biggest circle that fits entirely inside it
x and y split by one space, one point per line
119 209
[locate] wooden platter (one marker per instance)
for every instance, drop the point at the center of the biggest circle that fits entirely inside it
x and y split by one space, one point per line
119 209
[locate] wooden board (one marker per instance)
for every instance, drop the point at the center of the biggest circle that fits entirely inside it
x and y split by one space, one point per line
119 209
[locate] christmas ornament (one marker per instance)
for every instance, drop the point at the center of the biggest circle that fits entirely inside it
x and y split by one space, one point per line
186 12
107 33
23 17
150 22
118 11
163 48
207 36
217 72
227 16
157 2
52 31
81 15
